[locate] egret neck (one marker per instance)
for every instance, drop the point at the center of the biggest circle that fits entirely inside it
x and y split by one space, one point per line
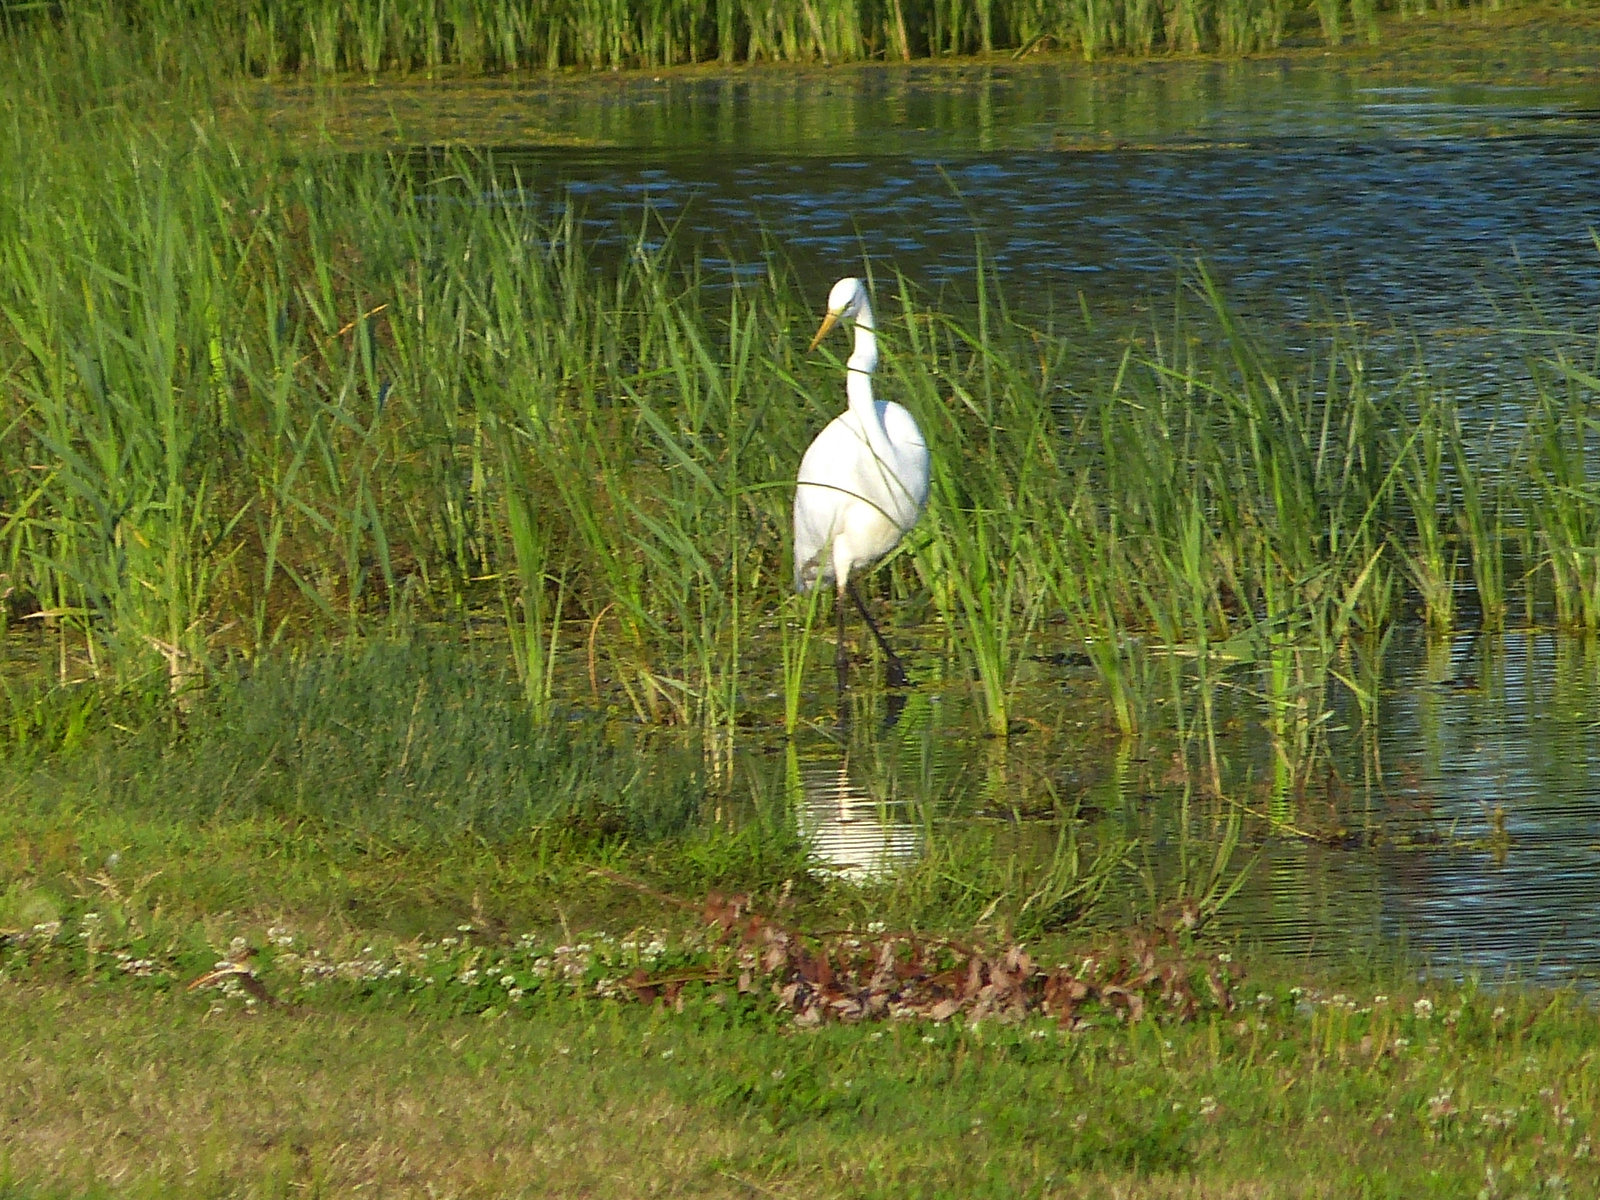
858 389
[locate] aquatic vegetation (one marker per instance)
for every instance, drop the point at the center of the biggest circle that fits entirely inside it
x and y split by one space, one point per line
253 403
274 38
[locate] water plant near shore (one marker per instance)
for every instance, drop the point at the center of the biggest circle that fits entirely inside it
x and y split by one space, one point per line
251 402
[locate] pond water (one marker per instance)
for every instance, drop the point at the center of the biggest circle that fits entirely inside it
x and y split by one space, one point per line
1432 203
1446 199
1462 826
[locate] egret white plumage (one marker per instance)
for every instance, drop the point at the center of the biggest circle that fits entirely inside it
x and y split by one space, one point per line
862 482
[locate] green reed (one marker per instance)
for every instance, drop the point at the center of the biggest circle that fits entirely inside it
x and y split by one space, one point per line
251 403
1431 557
993 488
1483 523
272 38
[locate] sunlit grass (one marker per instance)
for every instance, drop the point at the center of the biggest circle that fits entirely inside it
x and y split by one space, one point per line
1318 1084
253 403
321 38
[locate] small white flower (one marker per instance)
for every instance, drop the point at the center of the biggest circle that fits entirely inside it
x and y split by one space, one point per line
1423 1009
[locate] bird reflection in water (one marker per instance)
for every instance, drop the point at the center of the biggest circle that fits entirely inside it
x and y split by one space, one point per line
853 836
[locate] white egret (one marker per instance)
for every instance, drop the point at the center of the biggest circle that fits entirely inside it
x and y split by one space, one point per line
862 482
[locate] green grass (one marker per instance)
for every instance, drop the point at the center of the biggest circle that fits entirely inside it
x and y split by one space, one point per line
255 402
119 1093
116 1092
386 1052
393 832
274 38
393 835
388 777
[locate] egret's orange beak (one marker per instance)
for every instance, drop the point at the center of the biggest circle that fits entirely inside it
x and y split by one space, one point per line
828 322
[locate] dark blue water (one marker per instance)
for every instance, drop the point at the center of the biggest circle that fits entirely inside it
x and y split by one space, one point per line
1439 236
1446 208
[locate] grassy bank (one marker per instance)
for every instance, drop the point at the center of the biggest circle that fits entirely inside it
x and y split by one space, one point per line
358 921
334 981
113 1091
326 936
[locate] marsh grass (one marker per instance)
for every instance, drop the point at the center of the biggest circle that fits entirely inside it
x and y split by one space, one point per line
253 403
365 38
394 778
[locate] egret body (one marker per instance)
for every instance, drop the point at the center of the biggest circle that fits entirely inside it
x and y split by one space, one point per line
862 482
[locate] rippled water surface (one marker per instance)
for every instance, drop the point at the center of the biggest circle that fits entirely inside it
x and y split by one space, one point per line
1431 202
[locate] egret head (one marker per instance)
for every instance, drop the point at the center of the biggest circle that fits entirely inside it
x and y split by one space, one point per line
847 298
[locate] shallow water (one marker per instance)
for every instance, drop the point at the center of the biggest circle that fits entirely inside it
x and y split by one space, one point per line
1465 828
1448 197
1423 198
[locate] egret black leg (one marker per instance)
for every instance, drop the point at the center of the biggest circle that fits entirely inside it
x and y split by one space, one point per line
841 656
895 669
